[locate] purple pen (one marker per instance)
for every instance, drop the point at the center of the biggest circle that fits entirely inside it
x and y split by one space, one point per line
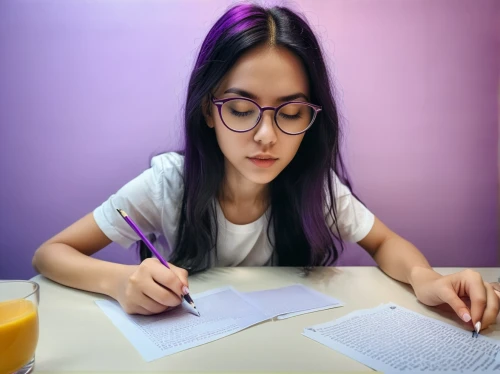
152 249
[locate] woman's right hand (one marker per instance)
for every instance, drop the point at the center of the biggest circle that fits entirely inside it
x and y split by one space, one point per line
151 288
496 288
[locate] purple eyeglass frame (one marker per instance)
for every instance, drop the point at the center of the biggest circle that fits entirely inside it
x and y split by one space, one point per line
220 102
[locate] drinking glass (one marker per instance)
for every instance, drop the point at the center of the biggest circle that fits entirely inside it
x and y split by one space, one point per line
18 325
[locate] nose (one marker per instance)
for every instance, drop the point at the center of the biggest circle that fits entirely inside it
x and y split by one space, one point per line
266 131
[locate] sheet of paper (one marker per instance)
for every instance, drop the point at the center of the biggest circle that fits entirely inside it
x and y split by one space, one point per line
390 338
291 301
223 312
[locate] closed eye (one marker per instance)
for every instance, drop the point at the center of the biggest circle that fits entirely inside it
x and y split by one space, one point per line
241 114
288 116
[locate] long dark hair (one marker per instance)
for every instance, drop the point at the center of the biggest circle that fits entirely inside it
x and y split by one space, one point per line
302 194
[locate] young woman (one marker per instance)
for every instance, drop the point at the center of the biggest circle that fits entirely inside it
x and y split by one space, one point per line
260 182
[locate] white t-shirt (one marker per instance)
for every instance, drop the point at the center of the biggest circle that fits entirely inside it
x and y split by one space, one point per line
153 200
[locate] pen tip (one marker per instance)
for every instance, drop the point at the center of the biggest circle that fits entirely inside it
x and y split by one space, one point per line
477 326
195 309
122 213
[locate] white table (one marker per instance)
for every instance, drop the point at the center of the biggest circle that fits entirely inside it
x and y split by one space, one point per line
75 335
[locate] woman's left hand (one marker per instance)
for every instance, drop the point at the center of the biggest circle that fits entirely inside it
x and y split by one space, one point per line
434 289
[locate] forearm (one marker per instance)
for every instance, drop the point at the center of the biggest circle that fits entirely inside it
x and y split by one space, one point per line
66 265
401 260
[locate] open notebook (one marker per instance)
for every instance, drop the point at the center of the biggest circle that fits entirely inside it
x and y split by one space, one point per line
224 311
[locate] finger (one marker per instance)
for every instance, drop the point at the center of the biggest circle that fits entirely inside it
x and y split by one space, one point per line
136 309
162 275
161 295
496 287
450 297
474 286
167 278
150 305
182 274
140 310
492 307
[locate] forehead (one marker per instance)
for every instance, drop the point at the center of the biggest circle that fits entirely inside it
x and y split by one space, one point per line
268 73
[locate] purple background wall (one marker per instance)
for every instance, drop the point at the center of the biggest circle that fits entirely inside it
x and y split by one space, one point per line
90 90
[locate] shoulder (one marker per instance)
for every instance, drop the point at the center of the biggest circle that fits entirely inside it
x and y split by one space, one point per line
168 163
339 189
168 168
353 219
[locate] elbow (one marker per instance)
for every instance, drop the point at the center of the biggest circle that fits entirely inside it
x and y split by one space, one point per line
38 258
34 260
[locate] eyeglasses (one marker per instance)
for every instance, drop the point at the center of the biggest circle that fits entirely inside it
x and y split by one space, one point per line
241 114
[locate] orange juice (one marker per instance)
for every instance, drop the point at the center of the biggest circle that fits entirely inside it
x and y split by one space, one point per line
18 334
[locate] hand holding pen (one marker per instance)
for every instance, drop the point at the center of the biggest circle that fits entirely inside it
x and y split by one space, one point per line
151 288
474 300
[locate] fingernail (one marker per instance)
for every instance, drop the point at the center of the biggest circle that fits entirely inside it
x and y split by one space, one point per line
466 317
477 326
185 290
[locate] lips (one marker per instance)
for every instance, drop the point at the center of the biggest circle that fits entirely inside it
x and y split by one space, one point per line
263 162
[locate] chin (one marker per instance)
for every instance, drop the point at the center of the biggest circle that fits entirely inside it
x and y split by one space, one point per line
261 178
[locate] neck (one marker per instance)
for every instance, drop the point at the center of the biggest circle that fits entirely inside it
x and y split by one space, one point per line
239 191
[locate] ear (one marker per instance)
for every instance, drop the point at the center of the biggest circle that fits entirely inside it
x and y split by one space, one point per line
207 113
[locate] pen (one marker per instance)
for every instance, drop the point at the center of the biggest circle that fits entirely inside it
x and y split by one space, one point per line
153 250
477 328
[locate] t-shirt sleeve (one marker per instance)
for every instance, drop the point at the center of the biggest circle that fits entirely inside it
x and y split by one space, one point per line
141 199
354 220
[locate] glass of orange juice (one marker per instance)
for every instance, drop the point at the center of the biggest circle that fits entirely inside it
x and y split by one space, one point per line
18 325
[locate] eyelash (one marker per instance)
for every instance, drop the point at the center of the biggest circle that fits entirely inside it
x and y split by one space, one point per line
295 116
245 114
239 114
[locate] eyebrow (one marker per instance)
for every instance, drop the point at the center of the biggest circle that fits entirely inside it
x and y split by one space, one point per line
249 95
